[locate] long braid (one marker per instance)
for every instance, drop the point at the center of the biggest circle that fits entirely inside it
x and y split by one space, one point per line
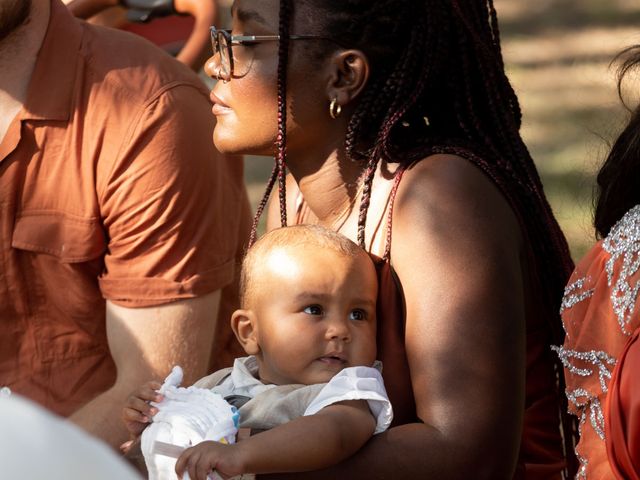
263 203
365 200
279 171
281 139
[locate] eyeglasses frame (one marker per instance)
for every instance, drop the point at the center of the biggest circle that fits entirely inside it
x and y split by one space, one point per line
250 40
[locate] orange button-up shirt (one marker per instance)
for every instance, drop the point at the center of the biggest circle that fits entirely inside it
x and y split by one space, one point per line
110 188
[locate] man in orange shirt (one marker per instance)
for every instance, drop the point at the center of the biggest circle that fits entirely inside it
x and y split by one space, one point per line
120 224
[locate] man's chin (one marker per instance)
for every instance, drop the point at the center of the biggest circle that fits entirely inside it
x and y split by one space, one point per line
13 14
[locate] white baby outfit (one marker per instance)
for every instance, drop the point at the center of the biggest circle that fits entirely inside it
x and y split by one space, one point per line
262 407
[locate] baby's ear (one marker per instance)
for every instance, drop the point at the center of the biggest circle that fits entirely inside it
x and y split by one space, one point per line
244 324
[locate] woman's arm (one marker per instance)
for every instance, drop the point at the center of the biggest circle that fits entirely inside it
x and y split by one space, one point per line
456 250
306 443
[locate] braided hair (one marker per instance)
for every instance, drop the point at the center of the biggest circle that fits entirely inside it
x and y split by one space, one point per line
438 85
619 177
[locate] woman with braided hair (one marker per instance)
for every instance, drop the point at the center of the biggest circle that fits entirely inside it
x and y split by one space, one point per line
394 123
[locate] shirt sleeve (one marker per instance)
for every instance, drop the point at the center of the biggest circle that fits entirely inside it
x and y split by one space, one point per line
357 383
170 205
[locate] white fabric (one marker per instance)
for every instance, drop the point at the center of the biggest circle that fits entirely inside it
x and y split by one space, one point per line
353 383
190 415
186 417
36 444
243 379
357 383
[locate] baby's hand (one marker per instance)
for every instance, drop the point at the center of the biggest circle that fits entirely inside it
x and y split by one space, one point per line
199 461
137 411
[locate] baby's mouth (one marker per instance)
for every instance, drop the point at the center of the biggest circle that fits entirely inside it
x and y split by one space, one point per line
333 359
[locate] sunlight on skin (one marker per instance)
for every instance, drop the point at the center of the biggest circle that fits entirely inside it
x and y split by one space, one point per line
279 260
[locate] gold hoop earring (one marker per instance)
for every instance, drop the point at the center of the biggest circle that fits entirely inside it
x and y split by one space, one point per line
334 108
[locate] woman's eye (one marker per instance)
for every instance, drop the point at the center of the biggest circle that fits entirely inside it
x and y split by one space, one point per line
357 315
313 310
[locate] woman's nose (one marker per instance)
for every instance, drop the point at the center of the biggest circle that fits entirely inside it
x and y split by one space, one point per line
212 67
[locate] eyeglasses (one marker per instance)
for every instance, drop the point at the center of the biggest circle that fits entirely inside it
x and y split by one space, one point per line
222 42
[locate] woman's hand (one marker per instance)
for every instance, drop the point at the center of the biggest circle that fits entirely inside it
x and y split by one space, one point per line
201 460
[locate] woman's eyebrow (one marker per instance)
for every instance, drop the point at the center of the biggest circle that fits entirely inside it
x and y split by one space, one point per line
247 15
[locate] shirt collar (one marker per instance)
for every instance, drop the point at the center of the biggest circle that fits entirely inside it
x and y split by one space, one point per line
244 377
49 96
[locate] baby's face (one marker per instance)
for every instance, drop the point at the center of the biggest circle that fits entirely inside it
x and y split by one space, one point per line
316 314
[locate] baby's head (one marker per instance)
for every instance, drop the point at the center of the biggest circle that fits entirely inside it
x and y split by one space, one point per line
308 298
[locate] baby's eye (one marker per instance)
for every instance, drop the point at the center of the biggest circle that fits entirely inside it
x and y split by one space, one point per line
357 314
313 310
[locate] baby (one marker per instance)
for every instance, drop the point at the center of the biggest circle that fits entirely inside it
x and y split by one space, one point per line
308 324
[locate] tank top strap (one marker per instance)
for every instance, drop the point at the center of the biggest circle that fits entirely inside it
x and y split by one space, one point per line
392 198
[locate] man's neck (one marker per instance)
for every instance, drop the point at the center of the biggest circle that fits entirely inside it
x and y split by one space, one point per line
18 53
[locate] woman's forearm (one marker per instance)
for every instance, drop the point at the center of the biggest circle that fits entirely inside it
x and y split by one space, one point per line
411 451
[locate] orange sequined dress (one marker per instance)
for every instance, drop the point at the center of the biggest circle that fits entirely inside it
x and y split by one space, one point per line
600 317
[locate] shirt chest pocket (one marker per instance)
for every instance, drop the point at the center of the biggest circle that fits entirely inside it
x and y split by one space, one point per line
57 259
67 238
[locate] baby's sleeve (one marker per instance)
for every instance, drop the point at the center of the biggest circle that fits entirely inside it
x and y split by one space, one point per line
357 383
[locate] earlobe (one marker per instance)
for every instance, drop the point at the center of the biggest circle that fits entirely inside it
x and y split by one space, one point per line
350 72
244 326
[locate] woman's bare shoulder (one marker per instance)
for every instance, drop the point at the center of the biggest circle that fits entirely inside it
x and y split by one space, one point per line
449 193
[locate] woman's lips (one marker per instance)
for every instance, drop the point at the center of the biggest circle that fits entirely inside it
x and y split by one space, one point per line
219 107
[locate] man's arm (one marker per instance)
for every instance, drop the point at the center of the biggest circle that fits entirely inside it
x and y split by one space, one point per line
145 343
87 8
197 47
307 443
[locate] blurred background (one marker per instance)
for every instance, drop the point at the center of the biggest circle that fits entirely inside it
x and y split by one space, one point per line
558 55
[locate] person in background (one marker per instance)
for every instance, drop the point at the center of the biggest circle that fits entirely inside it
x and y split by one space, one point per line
601 315
34 443
121 225
181 27
399 128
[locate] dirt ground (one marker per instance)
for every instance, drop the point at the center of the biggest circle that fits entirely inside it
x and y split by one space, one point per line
557 54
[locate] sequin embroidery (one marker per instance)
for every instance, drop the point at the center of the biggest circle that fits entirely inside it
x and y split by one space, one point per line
583 402
602 360
573 294
623 242
582 471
